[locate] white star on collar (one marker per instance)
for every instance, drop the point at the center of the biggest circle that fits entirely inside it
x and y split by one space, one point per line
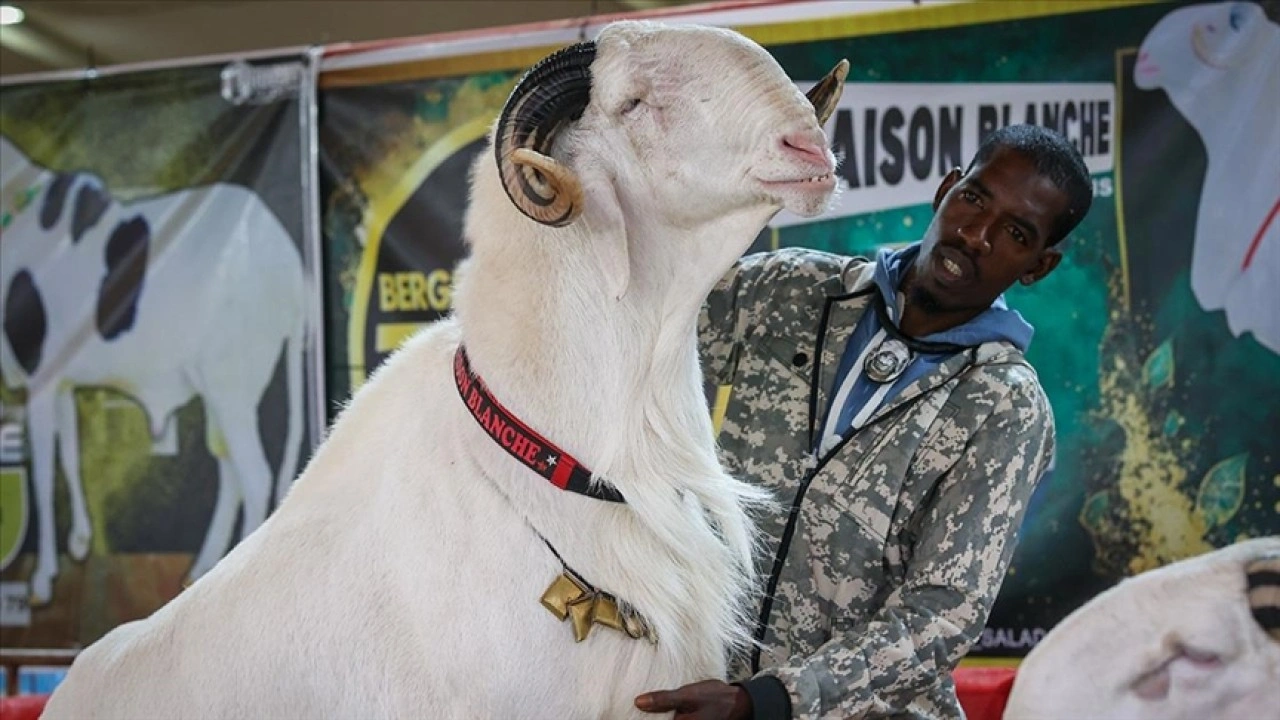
551 459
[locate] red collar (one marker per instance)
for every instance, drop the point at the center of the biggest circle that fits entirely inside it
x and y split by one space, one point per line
522 443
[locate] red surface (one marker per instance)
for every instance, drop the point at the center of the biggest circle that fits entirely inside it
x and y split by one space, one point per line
983 691
22 707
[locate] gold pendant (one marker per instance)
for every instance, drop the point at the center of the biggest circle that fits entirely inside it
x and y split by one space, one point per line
582 614
566 597
606 614
563 591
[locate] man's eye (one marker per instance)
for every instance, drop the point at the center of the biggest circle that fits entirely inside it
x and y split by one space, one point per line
968 196
1018 235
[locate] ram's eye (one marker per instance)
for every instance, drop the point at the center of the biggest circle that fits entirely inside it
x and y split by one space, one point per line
1237 17
630 105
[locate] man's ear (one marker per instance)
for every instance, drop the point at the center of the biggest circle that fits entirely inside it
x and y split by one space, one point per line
1048 260
948 182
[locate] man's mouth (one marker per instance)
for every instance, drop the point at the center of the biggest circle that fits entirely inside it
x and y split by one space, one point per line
952 266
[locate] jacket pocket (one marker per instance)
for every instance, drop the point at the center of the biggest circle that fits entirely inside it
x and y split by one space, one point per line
852 503
794 359
846 559
867 474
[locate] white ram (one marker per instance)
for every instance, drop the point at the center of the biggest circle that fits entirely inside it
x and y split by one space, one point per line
1195 639
402 576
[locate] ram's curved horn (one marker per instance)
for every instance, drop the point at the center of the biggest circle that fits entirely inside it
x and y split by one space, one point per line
552 94
826 94
1263 575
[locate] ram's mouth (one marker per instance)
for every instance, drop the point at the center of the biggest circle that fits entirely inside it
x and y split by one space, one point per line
1146 67
1154 682
816 181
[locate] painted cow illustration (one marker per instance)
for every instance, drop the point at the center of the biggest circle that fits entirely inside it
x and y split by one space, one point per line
194 292
1218 64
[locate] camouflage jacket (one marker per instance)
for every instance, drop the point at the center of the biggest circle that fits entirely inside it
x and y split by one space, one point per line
885 555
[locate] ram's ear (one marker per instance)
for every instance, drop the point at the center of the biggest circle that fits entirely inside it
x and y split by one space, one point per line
604 223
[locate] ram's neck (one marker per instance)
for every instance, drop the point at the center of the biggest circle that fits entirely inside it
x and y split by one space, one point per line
1203 103
581 367
608 379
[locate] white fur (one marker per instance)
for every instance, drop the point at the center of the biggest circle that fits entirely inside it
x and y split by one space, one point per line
217 257
1219 65
402 575
1182 635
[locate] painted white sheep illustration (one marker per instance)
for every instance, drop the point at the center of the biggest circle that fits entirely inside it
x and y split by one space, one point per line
427 561
194 292
1195 639
1219 65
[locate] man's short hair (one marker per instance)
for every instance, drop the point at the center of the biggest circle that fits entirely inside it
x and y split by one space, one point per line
1055 158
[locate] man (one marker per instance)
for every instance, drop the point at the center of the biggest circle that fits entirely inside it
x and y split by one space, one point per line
890 409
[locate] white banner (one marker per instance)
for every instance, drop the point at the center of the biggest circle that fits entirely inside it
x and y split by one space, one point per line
896 141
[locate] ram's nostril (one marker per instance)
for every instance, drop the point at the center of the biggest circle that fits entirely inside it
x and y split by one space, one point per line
806 146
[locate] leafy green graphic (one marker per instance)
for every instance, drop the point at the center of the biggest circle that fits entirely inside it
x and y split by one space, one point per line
1222 490
1094 512
1158 369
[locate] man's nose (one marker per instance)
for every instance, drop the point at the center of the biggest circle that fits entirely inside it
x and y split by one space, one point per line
974 234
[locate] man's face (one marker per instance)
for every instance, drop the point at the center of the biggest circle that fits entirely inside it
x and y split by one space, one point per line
990 229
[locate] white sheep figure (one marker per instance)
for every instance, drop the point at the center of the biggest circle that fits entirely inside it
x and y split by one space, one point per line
194 292
1220 66
1195 639
405 573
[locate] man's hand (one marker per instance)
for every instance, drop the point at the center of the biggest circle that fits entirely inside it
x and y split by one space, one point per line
706 700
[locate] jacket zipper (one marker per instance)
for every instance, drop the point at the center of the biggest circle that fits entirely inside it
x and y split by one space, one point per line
815 466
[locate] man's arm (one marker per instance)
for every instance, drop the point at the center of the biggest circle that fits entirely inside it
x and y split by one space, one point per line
720 323
926 626
757 285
